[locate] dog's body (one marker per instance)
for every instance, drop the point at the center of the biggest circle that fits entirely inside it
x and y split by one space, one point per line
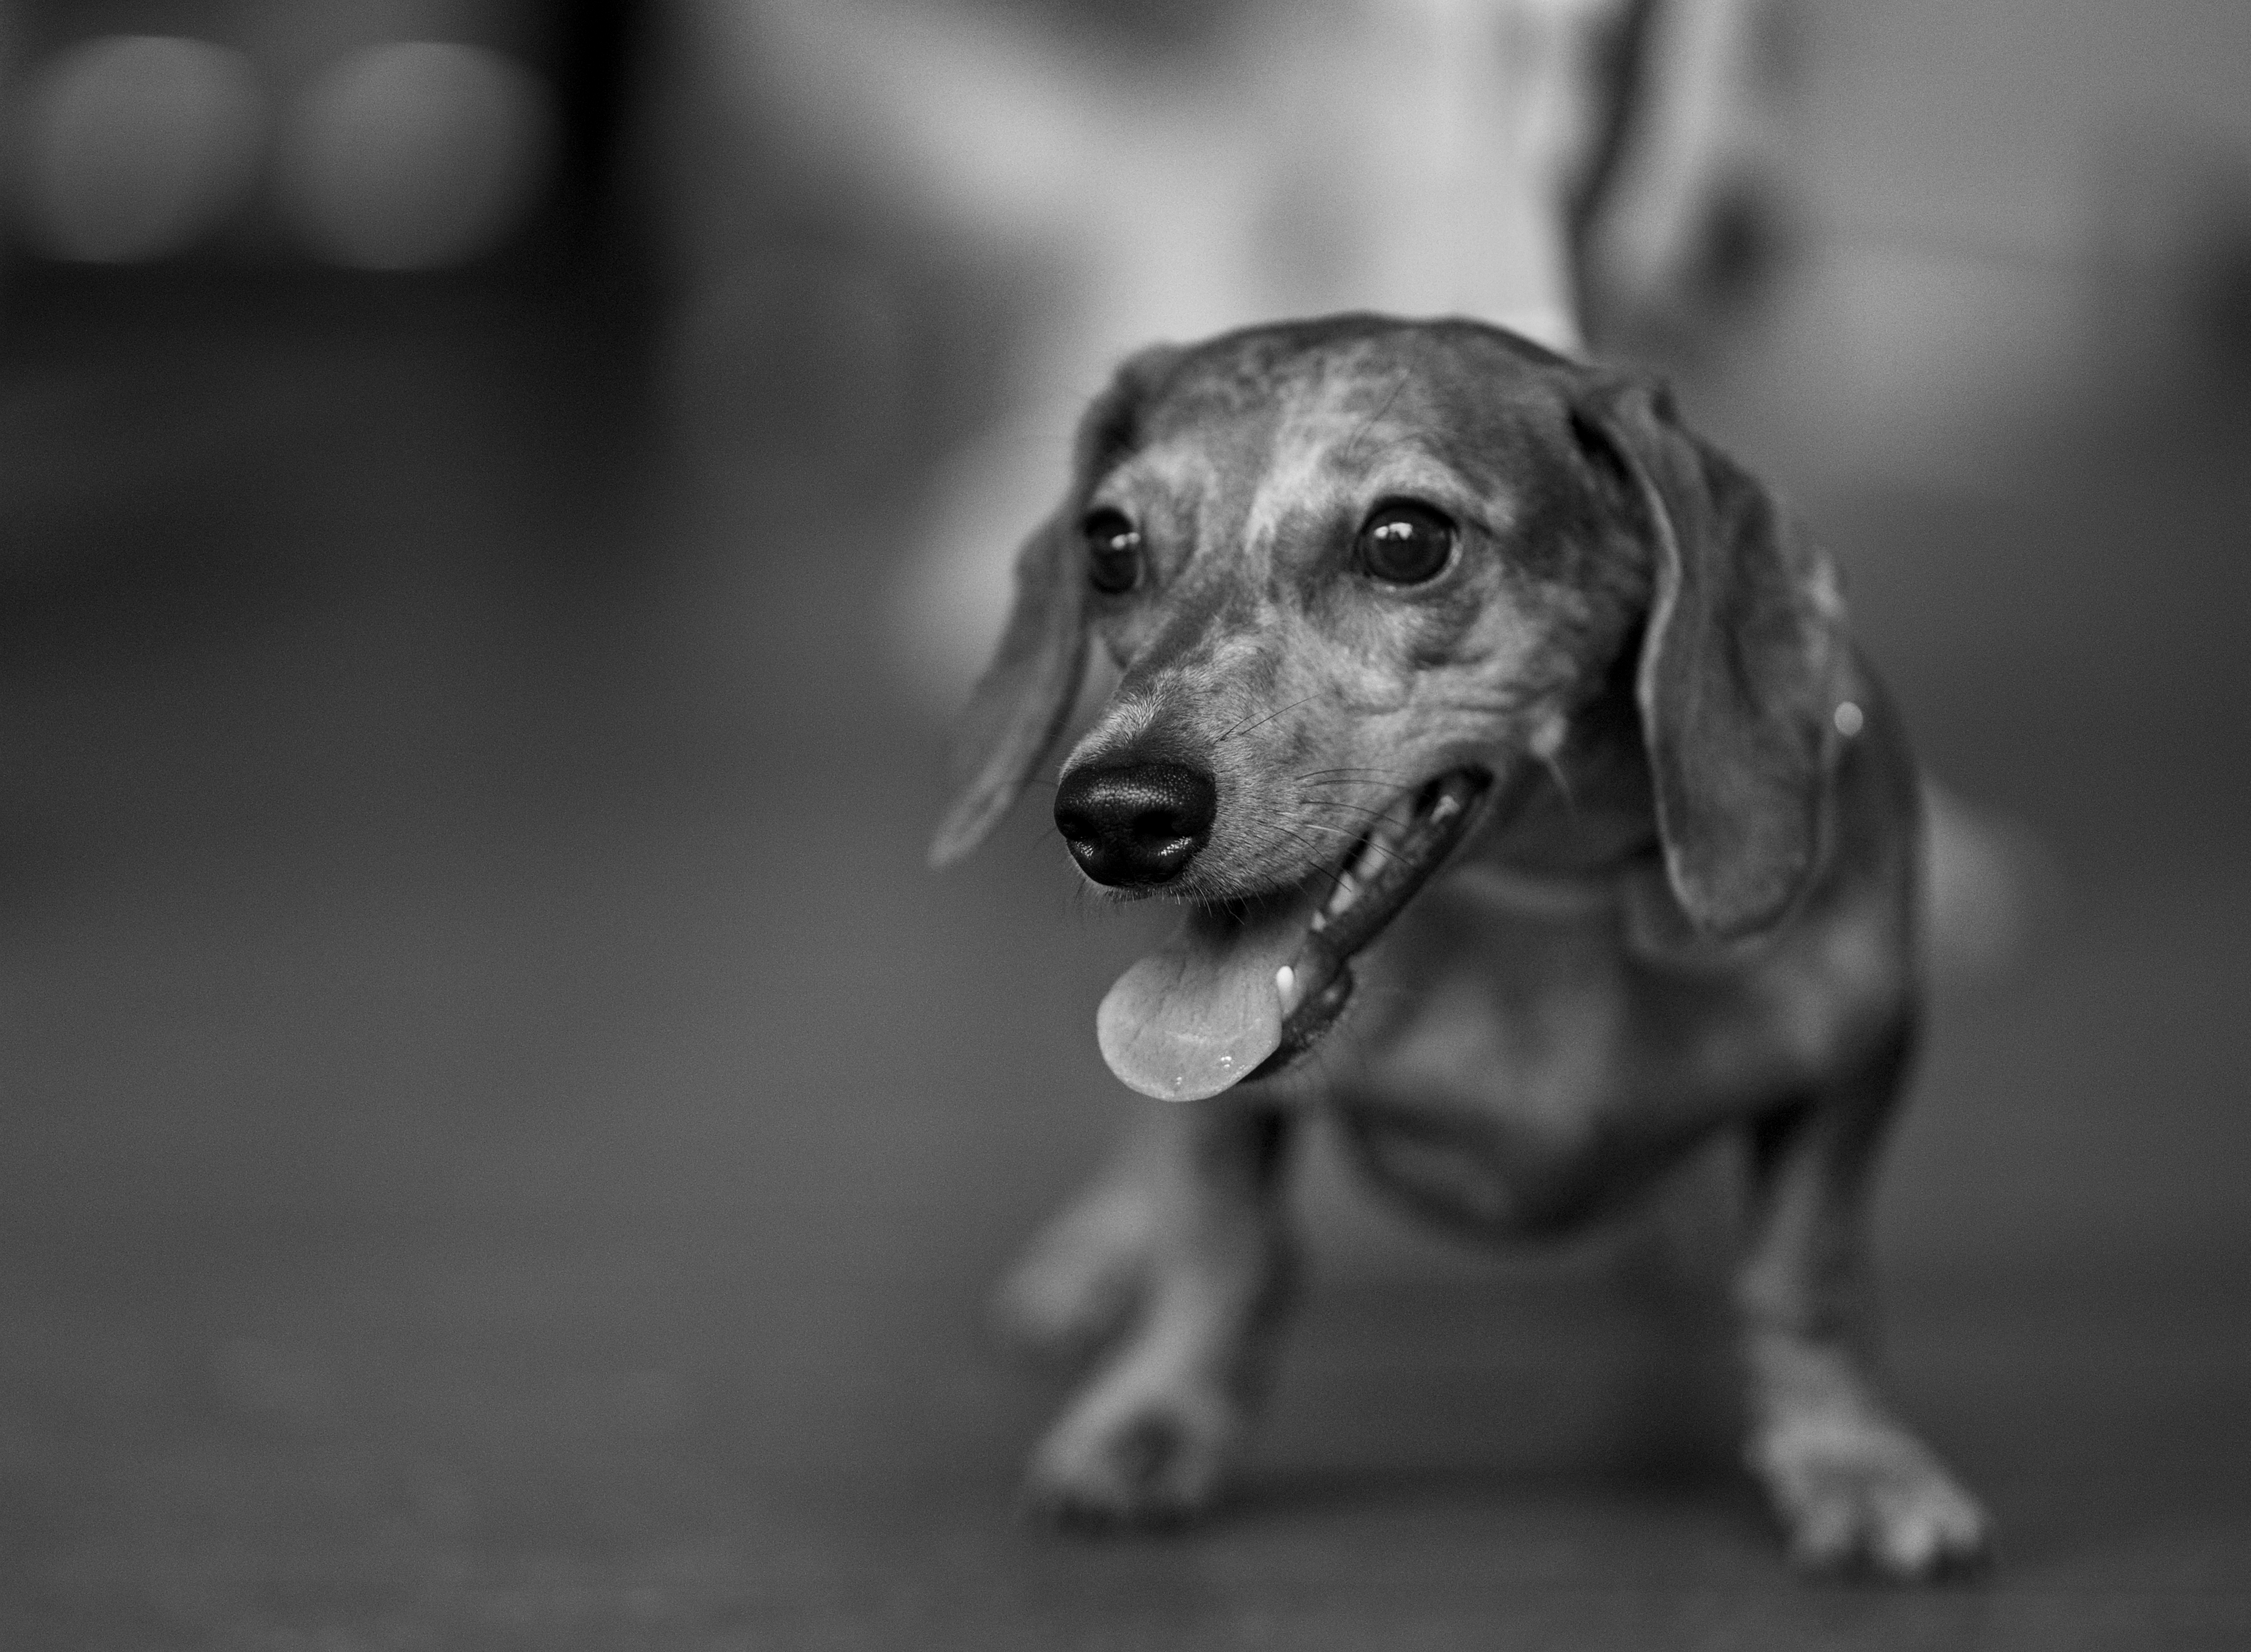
1396 603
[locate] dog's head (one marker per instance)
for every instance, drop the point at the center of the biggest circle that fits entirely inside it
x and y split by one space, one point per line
1357 576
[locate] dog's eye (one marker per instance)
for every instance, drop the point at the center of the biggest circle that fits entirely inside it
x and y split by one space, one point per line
1113 552
1406 543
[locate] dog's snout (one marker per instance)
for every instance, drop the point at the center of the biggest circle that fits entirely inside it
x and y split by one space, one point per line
1135 825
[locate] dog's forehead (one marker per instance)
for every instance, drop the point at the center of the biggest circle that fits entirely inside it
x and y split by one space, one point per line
1286 404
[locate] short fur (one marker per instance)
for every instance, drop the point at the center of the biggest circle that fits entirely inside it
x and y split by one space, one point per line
1686 909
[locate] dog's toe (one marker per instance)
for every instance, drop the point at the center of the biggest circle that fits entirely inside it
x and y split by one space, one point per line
1150 1466
1930 1529
1874 1500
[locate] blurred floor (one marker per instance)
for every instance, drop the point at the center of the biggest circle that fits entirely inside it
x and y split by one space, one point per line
504 1141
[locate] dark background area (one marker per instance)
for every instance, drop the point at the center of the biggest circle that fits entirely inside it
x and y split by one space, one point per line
502 1142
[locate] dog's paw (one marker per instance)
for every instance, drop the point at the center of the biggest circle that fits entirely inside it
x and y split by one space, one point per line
1077 1283
1156 1463
1869 1495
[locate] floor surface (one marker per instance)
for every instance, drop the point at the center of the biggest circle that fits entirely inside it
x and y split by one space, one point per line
504 1141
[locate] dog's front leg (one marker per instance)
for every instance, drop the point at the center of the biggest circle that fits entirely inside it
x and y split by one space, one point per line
1183 1247
1851 1484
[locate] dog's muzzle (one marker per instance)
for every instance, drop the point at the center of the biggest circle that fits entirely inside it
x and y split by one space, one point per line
1244 987
1387 866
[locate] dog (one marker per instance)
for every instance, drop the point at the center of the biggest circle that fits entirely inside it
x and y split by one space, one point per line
1535 820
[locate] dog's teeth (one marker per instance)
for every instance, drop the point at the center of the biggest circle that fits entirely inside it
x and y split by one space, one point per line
1286 982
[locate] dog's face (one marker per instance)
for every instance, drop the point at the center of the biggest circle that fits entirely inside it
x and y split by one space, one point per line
1356 575
1330 575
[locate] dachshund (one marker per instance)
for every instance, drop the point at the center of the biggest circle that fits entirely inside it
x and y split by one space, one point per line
1503 742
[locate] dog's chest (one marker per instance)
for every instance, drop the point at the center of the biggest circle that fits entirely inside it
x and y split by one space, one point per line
1514 1070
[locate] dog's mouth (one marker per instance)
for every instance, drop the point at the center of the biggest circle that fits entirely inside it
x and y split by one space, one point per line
1241 992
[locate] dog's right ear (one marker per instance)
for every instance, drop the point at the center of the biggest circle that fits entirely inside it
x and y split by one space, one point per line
1019 705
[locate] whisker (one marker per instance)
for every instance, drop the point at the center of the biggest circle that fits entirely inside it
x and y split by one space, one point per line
1562 783
1246 727
1335 831
1349 808
1335 874
1081 903
1347 784
1368 424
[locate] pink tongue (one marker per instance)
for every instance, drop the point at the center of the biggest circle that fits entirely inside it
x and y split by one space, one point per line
1202 1011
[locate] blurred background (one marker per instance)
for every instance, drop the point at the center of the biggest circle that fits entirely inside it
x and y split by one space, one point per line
502 1141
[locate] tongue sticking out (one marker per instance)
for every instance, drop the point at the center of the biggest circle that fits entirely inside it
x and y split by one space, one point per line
1201 1013
1204 1011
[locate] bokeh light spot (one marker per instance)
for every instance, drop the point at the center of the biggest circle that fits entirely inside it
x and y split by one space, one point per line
417 155
136 146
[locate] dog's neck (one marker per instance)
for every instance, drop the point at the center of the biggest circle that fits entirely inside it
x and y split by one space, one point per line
1574 838
1586 810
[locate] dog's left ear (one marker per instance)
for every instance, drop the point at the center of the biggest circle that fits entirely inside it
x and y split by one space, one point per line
1738 667
1020 703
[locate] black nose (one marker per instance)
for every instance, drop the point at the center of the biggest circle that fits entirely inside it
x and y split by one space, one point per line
1135 825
